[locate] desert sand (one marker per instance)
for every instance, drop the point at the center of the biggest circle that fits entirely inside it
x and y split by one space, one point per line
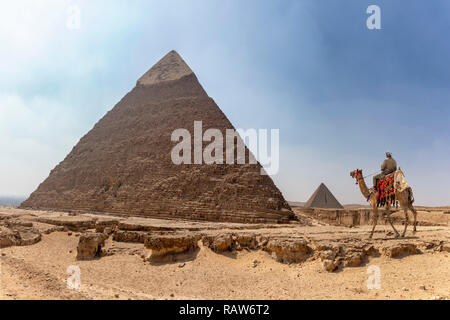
415 267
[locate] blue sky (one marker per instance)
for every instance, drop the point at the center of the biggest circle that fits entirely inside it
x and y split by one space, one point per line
340 94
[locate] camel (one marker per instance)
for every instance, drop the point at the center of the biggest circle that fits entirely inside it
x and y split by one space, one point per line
403 194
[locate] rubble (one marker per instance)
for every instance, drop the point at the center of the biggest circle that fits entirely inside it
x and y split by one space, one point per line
170 247
90 245
168 240
288 250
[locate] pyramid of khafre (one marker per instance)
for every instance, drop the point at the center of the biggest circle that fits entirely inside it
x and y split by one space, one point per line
323 198
124 165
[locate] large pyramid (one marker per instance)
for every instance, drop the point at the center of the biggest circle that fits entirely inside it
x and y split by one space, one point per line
323 198
123 165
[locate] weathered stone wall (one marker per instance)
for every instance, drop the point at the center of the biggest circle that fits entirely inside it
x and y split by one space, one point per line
353 217
339 217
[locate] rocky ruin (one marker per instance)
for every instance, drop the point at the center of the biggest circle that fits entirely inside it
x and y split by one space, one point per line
166 241
170 247
90 245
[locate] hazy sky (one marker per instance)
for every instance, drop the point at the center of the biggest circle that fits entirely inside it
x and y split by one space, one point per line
340 94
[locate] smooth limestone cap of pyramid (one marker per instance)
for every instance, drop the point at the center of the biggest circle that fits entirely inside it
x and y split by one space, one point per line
170 67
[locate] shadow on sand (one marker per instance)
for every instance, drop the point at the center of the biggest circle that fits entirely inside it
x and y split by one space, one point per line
174 258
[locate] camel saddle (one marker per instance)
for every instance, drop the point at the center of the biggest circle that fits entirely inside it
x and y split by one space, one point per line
385 189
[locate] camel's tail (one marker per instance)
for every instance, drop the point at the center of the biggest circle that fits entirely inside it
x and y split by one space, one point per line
410 196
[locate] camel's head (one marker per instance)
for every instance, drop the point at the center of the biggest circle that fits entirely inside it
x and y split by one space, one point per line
356 173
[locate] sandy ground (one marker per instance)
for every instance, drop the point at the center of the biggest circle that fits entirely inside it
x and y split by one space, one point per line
39 272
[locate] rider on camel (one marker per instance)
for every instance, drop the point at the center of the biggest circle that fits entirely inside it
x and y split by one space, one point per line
389 166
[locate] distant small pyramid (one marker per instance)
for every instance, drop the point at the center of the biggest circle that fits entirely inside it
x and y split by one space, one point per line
323 198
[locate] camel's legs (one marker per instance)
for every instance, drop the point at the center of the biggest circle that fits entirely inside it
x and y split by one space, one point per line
388 216
415 216
375 218
406 221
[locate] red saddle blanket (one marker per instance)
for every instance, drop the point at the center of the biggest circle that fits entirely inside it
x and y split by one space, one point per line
385 188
